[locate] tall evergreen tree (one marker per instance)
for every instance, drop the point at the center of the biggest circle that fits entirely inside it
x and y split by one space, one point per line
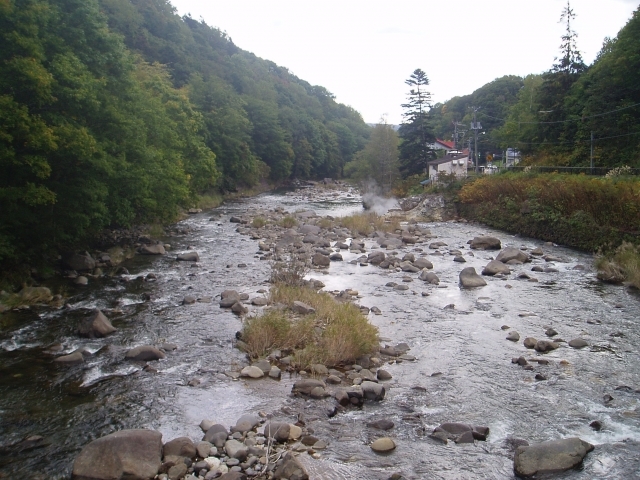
415 131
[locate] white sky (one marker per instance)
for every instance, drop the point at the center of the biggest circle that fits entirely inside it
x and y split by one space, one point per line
363 50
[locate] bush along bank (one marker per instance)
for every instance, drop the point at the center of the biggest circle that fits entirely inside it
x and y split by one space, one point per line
591 214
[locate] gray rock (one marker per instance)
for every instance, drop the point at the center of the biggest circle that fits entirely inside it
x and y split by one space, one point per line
382 424
376 257
275 373
383 445
252 372
79 262
429 277
530 342
239 309
259 301
470 279
290 469
263 365
81 280
383 375
543 346
181 446
188 257
306 385
203 449
155 249
550 457
133 454
144 353
229 298
373 391
459 259
578 343
72 359
236 449
513 336
320 260
96 326
510 253
302 308
278 431
422 263
245 423
335 257
494 267
216 434
408 267
189 300
485 243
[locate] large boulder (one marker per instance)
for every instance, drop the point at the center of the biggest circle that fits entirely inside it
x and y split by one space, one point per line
550 457
96 326
494 267
511 253
470 279
486 243
156 249
373 391
320 260
181 446
127 454
79 261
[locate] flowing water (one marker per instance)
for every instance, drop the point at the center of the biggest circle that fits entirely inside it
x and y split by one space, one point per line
462 372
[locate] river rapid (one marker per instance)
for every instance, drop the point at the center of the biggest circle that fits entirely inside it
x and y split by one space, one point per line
463 370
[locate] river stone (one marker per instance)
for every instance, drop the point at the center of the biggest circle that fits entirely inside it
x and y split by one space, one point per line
71 359
513 336
229 298
81 280
245 423
290 469
302 308
429 277
305 386
216 432
530 342
31 295
274 372
278 431
510 253
376 257
470 279
373 391
236 449
263 365
550 457
578 343
383 375
79 262
188 257
181 446
422 263
383 445
96 326
295 432
319 369
408 267
144 353
239 309
485 243
189 300
203 449
320 260
231 476
382 424
459 259
259 301
177 471
545 346
131 454
252 372
494 267
156 249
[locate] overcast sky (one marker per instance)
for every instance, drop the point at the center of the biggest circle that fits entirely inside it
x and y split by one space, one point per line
363 50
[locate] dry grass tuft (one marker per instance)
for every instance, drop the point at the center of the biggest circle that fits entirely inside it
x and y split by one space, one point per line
622 265
258 222
276 330
325 222
290 271
288 222
368 222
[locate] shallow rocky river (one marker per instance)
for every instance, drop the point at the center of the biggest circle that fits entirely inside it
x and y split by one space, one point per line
462 372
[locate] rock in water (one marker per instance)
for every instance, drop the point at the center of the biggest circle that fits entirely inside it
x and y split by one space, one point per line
188 257
156 249
550 457
145 353
383 445
470 279
291 469
495 267
96 326
485 243
511 253
132 454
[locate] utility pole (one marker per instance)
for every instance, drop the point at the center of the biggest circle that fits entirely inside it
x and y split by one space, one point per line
455 133
475 126
591 152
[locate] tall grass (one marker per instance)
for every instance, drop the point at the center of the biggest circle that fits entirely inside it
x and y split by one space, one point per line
369 222
575 210
621 265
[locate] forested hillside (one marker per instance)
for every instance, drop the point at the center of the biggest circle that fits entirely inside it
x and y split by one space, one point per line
114 112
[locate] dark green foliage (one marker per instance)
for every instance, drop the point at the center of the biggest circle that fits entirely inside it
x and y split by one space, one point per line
415 131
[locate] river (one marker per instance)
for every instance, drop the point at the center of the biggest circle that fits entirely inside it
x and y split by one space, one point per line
463 344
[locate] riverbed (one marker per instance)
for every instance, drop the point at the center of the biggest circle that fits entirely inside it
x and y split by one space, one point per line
462 372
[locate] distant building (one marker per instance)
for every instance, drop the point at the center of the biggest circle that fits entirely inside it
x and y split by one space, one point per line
445 145
512 157
455 162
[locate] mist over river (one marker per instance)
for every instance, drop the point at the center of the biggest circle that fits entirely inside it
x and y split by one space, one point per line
462 372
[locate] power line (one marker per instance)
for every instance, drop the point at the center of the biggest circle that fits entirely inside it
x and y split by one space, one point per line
578 141
566 121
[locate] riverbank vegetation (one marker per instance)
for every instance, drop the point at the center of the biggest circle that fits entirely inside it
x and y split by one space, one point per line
589 213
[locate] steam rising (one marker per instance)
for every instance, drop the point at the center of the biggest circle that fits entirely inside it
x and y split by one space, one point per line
373 200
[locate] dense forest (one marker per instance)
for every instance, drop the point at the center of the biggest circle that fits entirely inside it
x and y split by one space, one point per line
115 112
551 117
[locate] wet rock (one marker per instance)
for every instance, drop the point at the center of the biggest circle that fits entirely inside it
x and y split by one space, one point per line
408 267
203 449
376 310
144 353
252 372
485 243
383 445
550 332
275 373
290 469
423 263
79 262
278 431
383 375
302 308
188 257
239 309
429 277
550 457
235 449
459 259
470 279
306 385
181 446
510 253
465 437
373 391
376 257
596 425
495 267
320 260
74 358
318 393
530 342
401 287
229 298
245 423
382 424
578 343
216 435
134 454
259 301
513 336
96 326
33 295
540 377
335 257
177 471
155 249
543 346
81 280
189 300
436 245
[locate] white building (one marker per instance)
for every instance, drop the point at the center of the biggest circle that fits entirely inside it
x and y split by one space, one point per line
454 162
